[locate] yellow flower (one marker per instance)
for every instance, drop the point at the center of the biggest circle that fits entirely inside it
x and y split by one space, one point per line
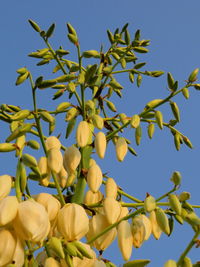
8 209
72 222
32 221
5 185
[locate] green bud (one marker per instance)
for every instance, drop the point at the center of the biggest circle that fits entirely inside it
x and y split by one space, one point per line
90 72
187 262
55 245
135 121
26 127
23 178
149 203
58 94
29 160
34 25
193 76
7 147
184 196
170 80
72 113
177 140
138 135
176 178
46 84
110 36
175 203
140 49
151 129
22 70
153 103
123 118
63 106
139 80
132 151
33 144
113 83
20 115
162 221
21 78
136 263
71 249
157 73
90 105
123 63
175 110
73 38
97 121
192 219
14 108
82 249
170 263
47 117
50 31
187 141
66 78
179 219
62 52
186 93
81 77
159 119
71 29
127 37
111 106
91 53
131 77
71 87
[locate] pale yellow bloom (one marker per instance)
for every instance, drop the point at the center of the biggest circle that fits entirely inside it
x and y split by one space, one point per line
8 209
32 221
5 185
72 222
52 142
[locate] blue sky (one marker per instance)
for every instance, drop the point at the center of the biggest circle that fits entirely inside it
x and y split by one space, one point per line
173 28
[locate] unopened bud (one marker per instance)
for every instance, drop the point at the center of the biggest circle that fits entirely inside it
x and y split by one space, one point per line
5 185
94 178
125 239
71 159
52 142
55 160
162 221
170 263
82 134
112 209
111 188
121 148
100 144
149 203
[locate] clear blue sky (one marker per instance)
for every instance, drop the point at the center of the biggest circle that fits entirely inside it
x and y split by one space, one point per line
173 28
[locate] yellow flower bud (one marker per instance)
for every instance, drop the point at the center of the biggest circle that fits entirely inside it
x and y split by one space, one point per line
121 148
111 188
32 221
149 203
72 222
71 160
51 204
51 262
162 220
170 263
11 248
96 225
62 177
125 239
5 185
44 170
112 209
52 142
92 162
92 198
156 231
94 178
147 226
55 160
100 144
82 133
98 263
8 209
138 231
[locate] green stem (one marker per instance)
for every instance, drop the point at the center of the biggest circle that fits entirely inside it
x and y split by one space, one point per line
17 182
166 194
82 86
133 214
188 248
39 128
62 200
60 65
